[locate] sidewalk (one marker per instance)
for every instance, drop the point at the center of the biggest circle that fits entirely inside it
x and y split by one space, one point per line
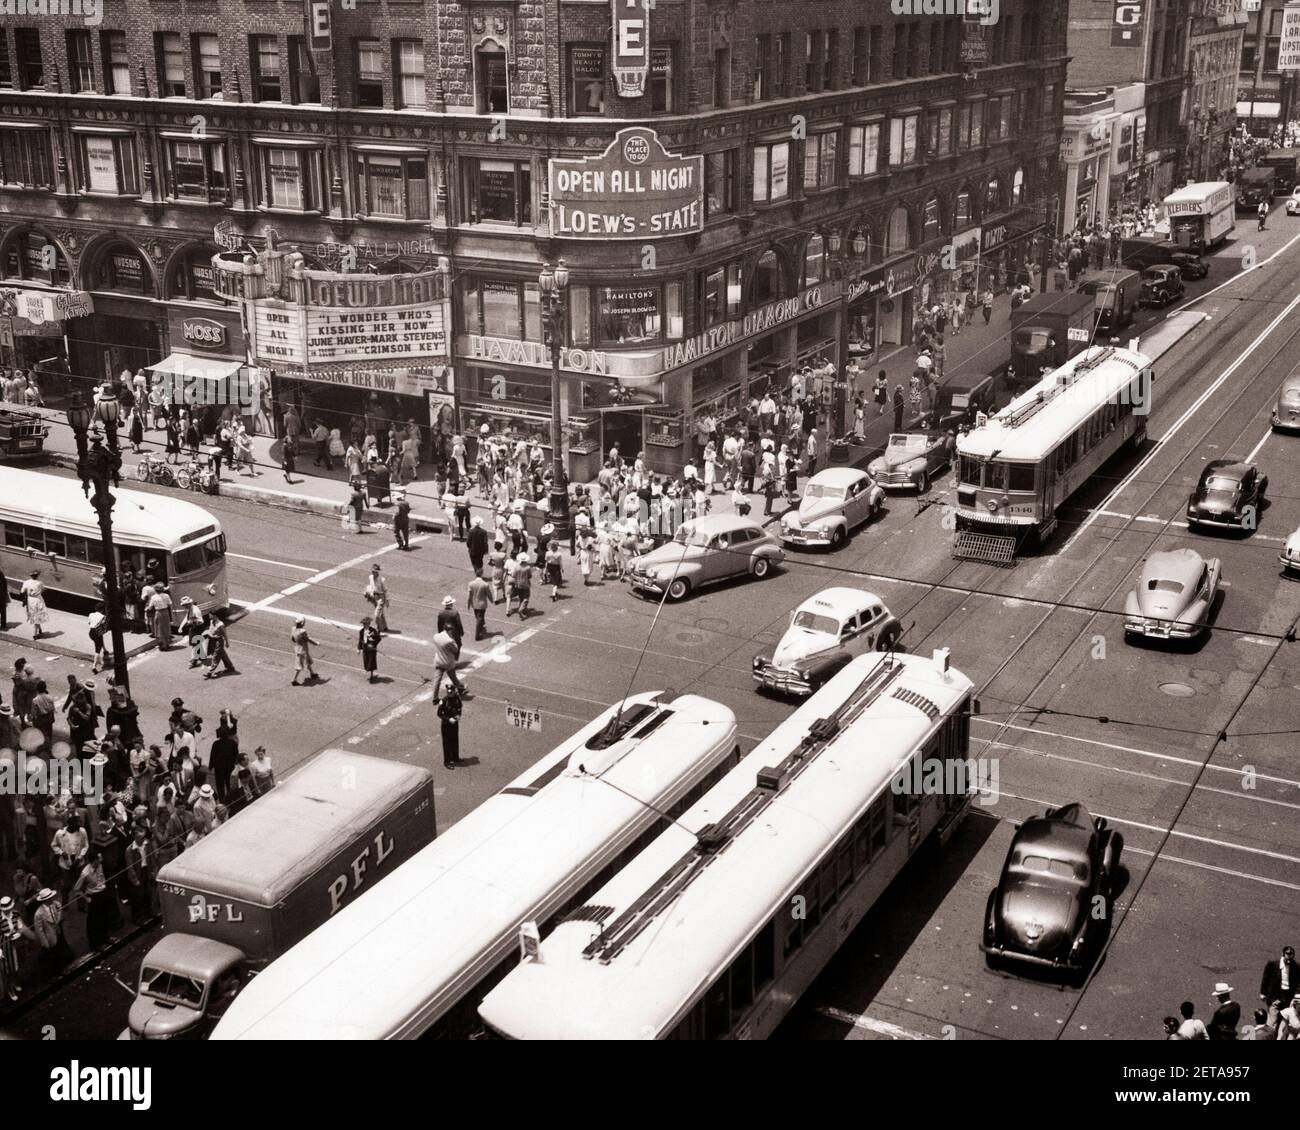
65 634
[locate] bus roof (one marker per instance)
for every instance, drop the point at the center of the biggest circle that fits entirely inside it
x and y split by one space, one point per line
642 987
1067 402
400 956
264 852
153 520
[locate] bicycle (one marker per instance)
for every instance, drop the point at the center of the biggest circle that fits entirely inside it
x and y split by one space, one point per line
195 476
155 469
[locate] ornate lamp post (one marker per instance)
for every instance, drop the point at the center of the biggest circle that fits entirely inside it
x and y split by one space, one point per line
97 466
554 285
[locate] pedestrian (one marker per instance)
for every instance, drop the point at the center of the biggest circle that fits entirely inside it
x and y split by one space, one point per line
1262 212
139 874
899 407
216 645
47 923
1281 978
521 586
96 626
4 602
321 436
160 617
368 644
449 620
446 653
1261 1029
553 573
1288 1027
70 846
880 392
40 713
32 594
262 771
497 564
402 522
226 441
477 600
812 453
302 643
353 461
449 712
136 427
1223 1024
769 492
289 458
357 504
377 595
987 304
192 627
748 465
1190 1028
14 932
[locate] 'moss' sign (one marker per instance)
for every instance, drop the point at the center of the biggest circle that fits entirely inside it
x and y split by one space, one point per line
631 46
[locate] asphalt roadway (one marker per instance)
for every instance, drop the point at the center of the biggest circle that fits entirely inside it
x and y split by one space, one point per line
1212 846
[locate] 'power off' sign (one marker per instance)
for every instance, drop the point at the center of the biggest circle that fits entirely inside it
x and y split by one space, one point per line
631 46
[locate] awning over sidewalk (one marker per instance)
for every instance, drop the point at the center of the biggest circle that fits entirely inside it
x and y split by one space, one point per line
1259 109
199 368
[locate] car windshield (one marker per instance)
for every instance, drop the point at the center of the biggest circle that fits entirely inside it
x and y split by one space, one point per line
1158 585
1046 865
1291 395
961 400
1221 483
165 985
1106 297
689 535
811 622
908 442
820 490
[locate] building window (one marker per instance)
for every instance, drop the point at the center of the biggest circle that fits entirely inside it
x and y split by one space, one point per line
27 48
767 280
171 64
931 224
122 267
962 140
961 213
586 79
392 186
723 291
502 308
196 170
28 257
812 61
819 161
264 54
722 78
977 125
898 232
814 261
370 73
938 132
291 179
781 65
771 172
207 66
861 56
899 60
632 315
117 66
408 57
304 83
26 159
902 140
6 75
864 150
830 59
1018 188
762 65
493 81
81 67
498 191
992 197
108 165
661 78
719 183
192 278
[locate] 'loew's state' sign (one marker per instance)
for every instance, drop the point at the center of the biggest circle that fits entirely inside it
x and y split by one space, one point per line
636 189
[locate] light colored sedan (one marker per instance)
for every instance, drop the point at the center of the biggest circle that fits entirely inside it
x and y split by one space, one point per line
911 459
834 502
703 552
1286 412
1293 202
1290 555
1173 597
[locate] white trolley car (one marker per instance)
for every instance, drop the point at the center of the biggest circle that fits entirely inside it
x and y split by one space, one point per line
718 927
414 956
1016 469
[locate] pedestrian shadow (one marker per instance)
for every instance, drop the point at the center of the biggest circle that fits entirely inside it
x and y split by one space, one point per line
383 678
54 635
468 762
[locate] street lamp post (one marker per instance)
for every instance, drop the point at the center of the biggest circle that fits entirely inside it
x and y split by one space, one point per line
97 467
554 284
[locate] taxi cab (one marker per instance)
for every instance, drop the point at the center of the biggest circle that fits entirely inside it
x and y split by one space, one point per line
825 632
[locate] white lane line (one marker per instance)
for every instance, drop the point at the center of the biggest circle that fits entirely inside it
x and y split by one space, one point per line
1211 867
326 574
345 625
1255 450
399 711
292 589
867 1024
1233 279
1182 420
268 561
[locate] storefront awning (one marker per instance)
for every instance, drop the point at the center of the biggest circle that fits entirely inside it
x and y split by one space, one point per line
1259 109
199 368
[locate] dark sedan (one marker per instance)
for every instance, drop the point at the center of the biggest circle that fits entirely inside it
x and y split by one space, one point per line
1229 494
1041 912
1161 285
1190 266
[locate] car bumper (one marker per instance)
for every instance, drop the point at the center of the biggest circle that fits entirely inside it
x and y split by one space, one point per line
805 537
1063 964
774 678
1221 522
893 480
1159 630
644 584
1291 423
1291 564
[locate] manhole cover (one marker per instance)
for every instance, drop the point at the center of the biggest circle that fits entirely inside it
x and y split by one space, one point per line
1178 690
713 624
689 637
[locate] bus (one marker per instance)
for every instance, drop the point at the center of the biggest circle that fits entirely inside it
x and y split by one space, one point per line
1285 164
50 525
718 928
1201 215
1016 471
414 957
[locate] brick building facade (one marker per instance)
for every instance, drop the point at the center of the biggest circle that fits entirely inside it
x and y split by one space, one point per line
1266 96
853 163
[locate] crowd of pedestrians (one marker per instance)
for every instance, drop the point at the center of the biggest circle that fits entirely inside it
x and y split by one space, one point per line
1276 1018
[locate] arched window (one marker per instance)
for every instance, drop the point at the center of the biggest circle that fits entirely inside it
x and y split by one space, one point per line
931 223
767 280
1018 188
898 233
122 267
992 197
814 261
192 277
961 212
33 255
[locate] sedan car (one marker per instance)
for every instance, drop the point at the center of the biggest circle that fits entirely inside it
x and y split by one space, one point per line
834 502
1286 412
1173 597
1190 266
1161 285
826 631
1290 555
911 459
1293 202
1041 912
1230 494
705 551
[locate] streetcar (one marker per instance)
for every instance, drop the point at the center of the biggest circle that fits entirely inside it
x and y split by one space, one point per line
1016 470
722 923
414 956
50 525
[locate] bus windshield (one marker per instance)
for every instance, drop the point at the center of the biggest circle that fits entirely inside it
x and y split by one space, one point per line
1009 476
195 557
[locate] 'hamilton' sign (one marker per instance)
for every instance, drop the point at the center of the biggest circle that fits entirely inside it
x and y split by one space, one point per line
631 46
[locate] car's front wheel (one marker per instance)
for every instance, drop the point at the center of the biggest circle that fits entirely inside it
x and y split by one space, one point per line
679 589
838 538
922 482
762 566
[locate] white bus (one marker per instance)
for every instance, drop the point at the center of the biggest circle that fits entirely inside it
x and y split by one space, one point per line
414 956
1201 215
1016 469
721 924
50 525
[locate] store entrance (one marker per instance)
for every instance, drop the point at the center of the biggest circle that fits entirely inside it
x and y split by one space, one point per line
621 430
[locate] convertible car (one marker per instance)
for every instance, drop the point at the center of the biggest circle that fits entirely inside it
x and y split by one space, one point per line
911 459
1041 912
1230 493
1173 596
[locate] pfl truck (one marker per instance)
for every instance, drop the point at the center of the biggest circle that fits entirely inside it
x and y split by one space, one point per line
1046 331
264 880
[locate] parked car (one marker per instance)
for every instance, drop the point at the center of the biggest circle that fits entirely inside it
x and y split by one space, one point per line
834 502
1174 595
1286 412
1162 285
1290 555
1041 912
1230 493
1191 266
1293 202
911 459
705 551
825 632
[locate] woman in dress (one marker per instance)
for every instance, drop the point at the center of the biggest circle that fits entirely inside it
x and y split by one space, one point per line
244 451
263 772
173 439
710 466
554 568
586 551
368 644
33 596
137 427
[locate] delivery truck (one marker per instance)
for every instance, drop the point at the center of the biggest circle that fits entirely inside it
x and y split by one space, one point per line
1115 299
265 879
1046 331
1201 215
1255 187
1285 164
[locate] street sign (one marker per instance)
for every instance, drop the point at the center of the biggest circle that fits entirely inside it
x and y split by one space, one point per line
524 717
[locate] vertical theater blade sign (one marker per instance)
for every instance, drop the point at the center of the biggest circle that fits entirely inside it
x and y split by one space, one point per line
631 46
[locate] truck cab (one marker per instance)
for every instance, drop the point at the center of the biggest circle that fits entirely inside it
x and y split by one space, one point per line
186 985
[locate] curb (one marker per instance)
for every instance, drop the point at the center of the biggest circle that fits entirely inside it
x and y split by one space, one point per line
68 652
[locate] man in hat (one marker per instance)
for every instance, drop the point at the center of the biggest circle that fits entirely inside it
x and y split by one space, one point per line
449 620
139 872
205 809
48 927
480 595
449 712
302 660
191 627
1281 978
446 652
377 595
215 635
476 542
1227 1012
13 932
402 520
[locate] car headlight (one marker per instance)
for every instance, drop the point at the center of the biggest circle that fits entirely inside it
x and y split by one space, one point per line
212 590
